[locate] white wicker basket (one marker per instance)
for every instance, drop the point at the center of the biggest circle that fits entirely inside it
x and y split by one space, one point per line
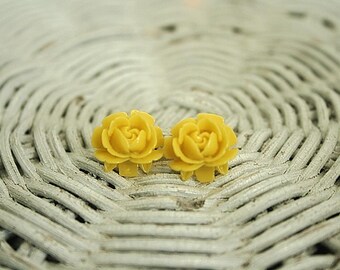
271 68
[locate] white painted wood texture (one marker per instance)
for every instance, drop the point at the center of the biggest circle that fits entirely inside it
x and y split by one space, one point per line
271 68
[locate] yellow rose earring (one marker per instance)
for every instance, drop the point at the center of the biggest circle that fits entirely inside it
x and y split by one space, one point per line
128 142
201 146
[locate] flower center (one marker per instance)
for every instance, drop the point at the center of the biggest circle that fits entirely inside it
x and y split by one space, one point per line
133 134
136 139
200 138
130 133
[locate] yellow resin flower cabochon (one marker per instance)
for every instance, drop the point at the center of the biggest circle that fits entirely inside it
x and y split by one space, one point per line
201 146
128 142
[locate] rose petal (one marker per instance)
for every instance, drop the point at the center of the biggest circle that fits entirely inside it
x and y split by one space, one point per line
97 138
118 122
210 127
137 121
178 165
205 174
106 140
160 137
109 167
211 147
222 148
105 156
118 144
191 149
186 129
168 148
179 125
108 119
128 169
212 117
229 155
154 155
179 153
149 147
143 121
223 169
139 143
231 136
146 167
186 175
149 119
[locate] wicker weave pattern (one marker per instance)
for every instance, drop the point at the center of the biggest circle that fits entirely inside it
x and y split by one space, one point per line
271 68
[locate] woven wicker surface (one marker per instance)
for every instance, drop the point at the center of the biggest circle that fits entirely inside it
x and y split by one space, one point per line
271 68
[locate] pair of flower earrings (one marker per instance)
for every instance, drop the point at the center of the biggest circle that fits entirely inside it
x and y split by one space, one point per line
197 146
